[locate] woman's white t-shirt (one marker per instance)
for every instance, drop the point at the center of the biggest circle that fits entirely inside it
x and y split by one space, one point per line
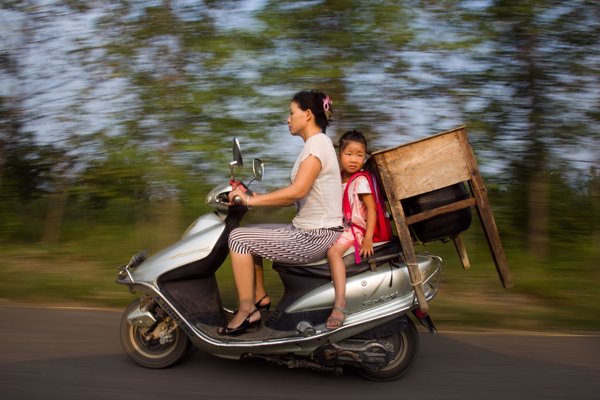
322 208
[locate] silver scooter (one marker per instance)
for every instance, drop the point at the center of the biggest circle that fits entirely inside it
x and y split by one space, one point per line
180 305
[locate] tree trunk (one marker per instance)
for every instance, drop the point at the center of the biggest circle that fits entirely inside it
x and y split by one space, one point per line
57 203
538 205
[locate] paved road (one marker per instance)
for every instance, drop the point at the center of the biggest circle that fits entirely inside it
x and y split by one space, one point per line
50 353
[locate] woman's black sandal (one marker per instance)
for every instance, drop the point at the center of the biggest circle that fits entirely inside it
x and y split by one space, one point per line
244 326
263 306
257 305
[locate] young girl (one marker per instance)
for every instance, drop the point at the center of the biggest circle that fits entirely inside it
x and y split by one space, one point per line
353 154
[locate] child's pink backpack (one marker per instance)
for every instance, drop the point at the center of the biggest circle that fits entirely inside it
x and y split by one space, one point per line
383 228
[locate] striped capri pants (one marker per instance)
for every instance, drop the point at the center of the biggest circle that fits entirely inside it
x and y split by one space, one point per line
283 242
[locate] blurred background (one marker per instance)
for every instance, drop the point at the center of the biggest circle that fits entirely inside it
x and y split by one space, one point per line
116 118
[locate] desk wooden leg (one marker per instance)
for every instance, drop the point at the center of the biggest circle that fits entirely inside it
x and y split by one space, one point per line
462 251
416 277
486 217
491 233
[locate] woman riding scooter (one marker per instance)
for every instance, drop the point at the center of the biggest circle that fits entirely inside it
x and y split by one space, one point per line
180 303
315 189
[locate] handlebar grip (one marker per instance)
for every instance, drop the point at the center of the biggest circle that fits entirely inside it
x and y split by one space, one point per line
237 200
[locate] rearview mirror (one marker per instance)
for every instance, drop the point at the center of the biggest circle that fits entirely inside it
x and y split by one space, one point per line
237 157
258 168
237 154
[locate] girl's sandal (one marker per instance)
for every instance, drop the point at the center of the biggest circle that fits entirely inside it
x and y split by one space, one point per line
333 322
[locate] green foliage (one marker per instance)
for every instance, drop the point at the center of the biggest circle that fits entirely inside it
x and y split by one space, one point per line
26 168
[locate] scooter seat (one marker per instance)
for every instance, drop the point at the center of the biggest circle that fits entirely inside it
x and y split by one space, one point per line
320 269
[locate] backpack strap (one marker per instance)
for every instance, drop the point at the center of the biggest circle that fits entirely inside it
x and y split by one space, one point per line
347 211
383 230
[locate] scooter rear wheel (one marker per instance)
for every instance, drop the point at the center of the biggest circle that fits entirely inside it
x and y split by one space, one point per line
406 345
151 353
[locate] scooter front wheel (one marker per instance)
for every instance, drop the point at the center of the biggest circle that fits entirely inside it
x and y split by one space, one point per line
148 351
406 345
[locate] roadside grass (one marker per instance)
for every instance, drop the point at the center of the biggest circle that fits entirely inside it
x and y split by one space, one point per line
561 294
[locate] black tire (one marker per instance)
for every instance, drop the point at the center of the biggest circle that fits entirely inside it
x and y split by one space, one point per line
406 346
152 354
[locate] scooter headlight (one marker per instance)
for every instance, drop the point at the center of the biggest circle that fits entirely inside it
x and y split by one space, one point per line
137 259
124 274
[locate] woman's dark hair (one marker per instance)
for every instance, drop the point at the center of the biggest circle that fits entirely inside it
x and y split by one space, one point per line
318 103
352 136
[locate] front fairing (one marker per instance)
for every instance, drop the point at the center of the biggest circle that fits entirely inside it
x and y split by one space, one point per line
195 244
218 198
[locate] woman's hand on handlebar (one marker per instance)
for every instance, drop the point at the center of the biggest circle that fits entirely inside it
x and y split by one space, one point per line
238 196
